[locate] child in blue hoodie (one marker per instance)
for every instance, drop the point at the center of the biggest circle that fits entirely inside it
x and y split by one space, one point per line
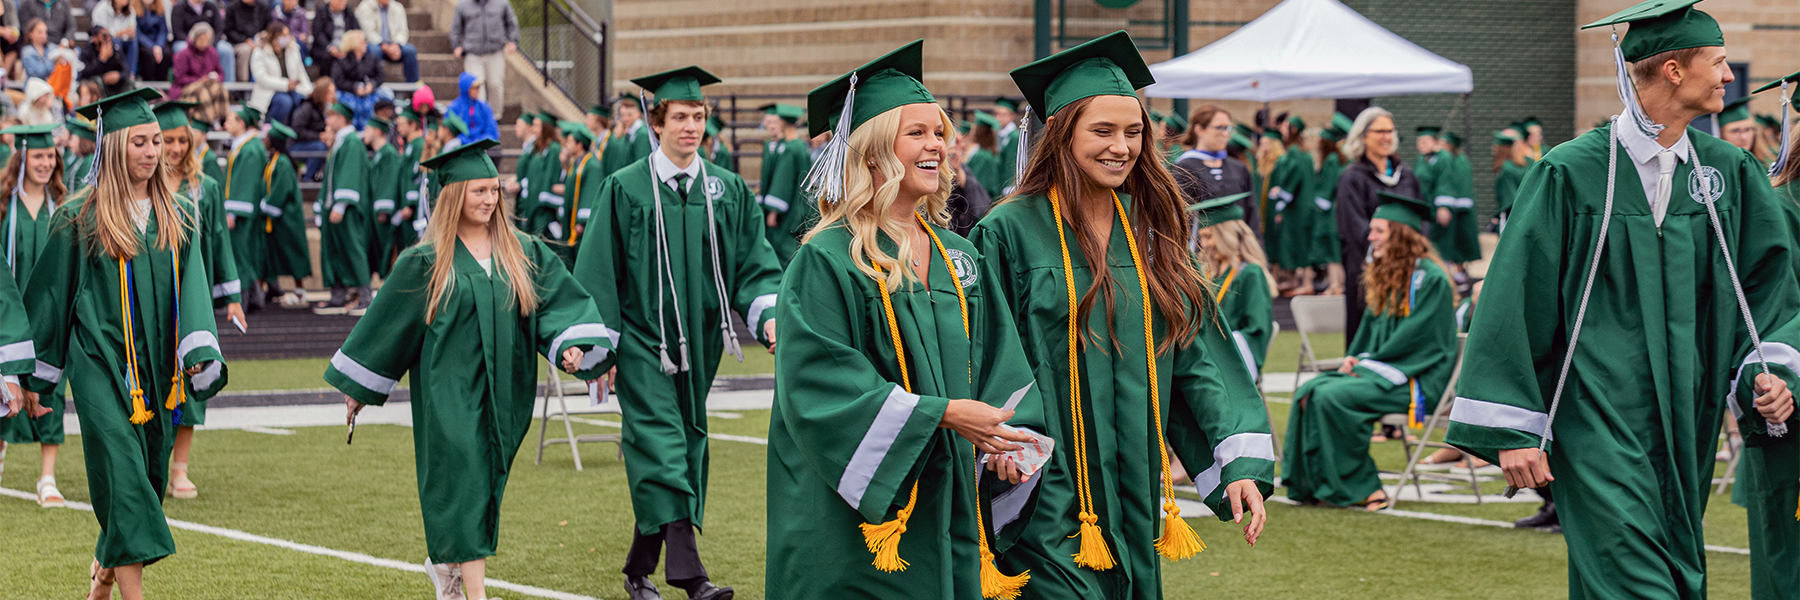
473 111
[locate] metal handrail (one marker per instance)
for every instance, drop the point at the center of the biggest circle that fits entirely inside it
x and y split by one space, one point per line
566 78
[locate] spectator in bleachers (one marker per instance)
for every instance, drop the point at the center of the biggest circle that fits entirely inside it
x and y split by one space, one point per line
102 62
476 114
36 55
40 106
186 15
294 15
154 55
278 73
12 39
308 121
384 23
55 15
119 19
482 33
329 24
384 110
199 74
358 76
243 20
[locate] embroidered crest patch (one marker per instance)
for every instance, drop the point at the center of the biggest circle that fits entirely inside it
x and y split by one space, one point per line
965 267
1706 185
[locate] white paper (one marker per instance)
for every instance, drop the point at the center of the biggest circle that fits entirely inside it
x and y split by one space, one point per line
1032 455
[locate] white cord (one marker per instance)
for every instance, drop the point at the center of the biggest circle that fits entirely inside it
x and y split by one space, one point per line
712 236
1775 429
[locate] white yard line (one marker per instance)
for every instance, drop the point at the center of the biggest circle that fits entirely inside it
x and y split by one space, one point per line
1408 514
717 436
355 557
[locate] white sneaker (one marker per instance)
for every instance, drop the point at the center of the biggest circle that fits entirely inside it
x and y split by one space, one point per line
446 580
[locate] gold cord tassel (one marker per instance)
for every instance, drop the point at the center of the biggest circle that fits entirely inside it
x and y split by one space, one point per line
139 413
1178 540
1094 554
995 584
884 540
176 395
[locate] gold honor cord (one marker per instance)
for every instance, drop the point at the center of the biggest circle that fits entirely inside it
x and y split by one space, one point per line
580 169
1230 276
1093 554
139 413
884 539
268 183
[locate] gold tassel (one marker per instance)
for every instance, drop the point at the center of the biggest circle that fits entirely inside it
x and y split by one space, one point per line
1094 554
884 540
995 584
1178 540
139 414
176 396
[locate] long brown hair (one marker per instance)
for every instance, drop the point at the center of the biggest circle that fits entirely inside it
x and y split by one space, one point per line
1791 171
508 254
1201 118
1161 222
1387 280
105 219
54 191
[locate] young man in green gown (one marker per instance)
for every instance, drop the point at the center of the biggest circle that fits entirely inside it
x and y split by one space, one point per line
785 162
385 189
631 142
283 221
670 249
345 200
243 191
581 187
1627 420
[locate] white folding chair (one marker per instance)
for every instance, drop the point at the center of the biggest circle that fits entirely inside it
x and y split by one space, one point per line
558 391
1316 314
1276 330
1439 418
1730 478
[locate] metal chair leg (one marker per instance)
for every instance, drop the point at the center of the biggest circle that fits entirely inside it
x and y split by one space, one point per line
543 423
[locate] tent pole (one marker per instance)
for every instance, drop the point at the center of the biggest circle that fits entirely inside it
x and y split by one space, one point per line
1468 119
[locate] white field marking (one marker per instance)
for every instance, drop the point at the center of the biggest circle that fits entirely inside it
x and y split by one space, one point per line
355 557
1407 514
719 414
267 430
717 436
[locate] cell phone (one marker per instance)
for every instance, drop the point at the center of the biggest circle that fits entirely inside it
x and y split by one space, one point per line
352 435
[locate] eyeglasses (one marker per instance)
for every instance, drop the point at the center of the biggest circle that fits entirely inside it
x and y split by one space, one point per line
1381 132
1221 128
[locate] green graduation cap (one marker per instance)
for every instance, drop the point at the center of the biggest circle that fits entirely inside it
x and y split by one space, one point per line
1791 80
1007 103
1769 121
249 114
632 98
1332 133
1176 121
549 117
1297 122
601 110
279 131
1156 116
576 130
31 137
527 117
964 127
117 113
886 83
463 163
1505 138
787 112
1243 130
1107 66
80 129
405 113
1342 123
1238 139
1658 26
203 126
173 114
1400 209
1429 130
343 109
455 124
1454 138
1530 121
680 84
1219 210
1736 110
983 118
382 124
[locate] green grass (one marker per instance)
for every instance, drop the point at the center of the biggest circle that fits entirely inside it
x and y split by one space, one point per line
309 373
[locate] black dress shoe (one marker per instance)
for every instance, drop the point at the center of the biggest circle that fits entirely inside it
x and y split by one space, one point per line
640 588
708 591
1545 517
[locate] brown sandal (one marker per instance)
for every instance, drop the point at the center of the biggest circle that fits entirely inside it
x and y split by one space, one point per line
1378 504
100 582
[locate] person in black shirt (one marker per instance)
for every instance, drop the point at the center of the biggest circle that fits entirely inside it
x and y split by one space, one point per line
1206 172
103 63
243 20
1372 141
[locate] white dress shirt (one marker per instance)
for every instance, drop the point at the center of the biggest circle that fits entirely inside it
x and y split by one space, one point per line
1643 150
666 170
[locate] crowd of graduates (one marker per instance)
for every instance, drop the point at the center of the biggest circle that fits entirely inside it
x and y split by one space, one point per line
1098 373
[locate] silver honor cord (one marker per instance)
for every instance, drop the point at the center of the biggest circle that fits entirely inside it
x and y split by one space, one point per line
665 267
1787 121
1774 429
712 237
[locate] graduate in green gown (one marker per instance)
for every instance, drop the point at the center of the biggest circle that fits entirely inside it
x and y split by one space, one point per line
984 155
1510 165
125 316
1326 248
1234 262
1157 381
1663 345
1008 112
785 162
671 248
1769 468
464 318
79 158
244 167
525 128
17 354
544 175
1290 201
210 162
283 222
35 191
874 460
598 119
384 187
713 149
1736 127
630 141
1453 230
408 222
1399 363
183 167
581 188
344 235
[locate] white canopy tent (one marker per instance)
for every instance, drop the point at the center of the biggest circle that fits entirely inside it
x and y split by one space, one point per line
1308 49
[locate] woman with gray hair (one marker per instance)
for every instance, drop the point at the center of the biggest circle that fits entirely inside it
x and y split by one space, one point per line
198 75
1372 141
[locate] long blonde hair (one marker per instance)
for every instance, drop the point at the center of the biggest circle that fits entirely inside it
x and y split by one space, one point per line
105 218
1234 242
865 207
189 169
509 254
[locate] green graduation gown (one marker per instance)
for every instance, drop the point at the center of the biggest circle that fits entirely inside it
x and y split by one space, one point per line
1428 168
344 246
629 150
1506 188
18 354
26 237
1459 242
1325 247
986 167
210 164
1403 368
79 335
1289 239
243 191
1661 345
665 414
525 204
1247 310
848 442
783 193
384 187
76 168
283 222
545 204
1008 153
469 414
216 240
581 193
1769 480
1213 417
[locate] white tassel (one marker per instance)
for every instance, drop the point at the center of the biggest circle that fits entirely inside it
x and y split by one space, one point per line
1022 149
826 179
644 102
1787 130
1628 94
668 366
93 174
684 354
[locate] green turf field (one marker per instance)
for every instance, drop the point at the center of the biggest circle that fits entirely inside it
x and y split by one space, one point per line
567 531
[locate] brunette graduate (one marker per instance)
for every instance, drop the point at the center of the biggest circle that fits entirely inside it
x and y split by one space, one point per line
464 317
124 313
1121 329
898 371
283 223
33 175
344 233
243 182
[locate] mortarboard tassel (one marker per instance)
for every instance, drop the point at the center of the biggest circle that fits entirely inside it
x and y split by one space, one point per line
826 179
93 174
644 102
1628 94
1022 149
1787 119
